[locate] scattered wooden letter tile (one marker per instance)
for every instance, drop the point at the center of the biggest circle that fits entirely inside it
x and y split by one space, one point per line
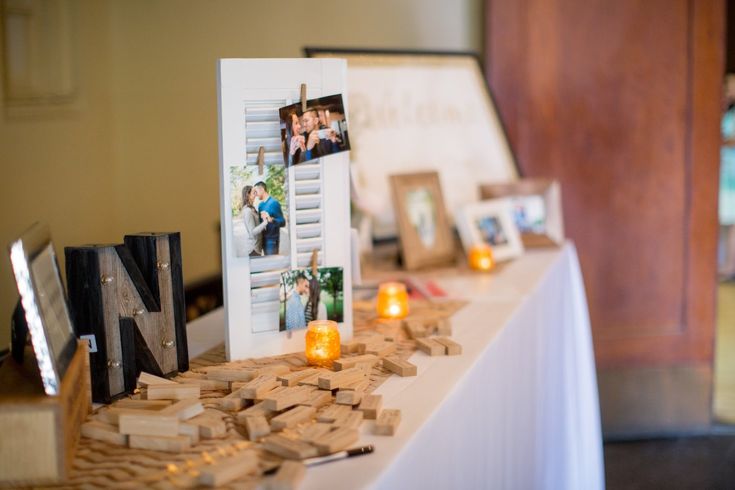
224 471
387 423
184 409
312 380
291 379
368 339
337 440
348 397
315 431
415 329
349 362
104 432
209 427
141 404
293 417
318 399
359 385
381 349
146 379
444 326
350 420
393 323
287 397
430 325
333 412
451 348
256 410
105 416
236 385
348 347
259 386
430 346
230 374
189 430
232 402
206 384
338 379
174 391
274 369
257 427
399 366
175 444
149 425
288 477
111 415
370 406
289 448
278 389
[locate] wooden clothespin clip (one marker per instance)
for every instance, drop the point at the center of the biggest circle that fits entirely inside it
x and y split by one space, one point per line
303 97
314 265
261 159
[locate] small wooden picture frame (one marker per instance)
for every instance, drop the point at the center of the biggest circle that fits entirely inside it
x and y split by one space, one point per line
491 223
536 209
423 229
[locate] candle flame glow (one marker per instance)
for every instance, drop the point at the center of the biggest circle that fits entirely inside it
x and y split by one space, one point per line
392 300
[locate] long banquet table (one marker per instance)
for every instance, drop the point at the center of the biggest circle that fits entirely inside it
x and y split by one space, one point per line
518 409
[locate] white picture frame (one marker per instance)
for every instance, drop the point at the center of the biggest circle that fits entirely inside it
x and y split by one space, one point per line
546 228
474 220
317 200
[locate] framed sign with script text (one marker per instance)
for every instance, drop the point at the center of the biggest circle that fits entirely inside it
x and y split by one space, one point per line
420 112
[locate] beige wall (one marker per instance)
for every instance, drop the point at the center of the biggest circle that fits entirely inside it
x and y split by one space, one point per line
141 151
57 165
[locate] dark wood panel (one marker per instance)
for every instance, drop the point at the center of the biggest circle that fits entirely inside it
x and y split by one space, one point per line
619 101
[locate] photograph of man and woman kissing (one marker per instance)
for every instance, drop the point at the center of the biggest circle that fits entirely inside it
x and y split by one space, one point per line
259 211
306 297
318 131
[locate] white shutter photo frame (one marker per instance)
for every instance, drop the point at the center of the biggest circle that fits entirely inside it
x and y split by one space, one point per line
316 201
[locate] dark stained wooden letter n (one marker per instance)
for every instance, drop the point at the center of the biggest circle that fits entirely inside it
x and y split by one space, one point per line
131 299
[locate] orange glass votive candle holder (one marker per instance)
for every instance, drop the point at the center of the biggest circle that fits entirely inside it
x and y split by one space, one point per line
392 300
481 258
322 343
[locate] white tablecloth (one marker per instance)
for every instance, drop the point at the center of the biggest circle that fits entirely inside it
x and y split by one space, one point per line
517 410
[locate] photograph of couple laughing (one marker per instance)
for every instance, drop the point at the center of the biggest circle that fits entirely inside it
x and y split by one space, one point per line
318 131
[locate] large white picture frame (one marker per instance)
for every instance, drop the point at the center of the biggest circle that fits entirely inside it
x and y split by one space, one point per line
317 199
416 112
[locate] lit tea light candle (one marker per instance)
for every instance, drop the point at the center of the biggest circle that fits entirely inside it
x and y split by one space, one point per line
322 343
481 258
392 300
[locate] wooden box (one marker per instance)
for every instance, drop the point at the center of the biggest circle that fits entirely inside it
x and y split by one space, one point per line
38 433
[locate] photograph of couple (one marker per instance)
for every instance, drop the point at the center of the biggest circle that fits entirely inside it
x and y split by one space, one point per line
259 211
491 231
306 297
529 214
319 131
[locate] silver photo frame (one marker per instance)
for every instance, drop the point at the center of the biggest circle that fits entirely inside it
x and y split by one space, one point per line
42 297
